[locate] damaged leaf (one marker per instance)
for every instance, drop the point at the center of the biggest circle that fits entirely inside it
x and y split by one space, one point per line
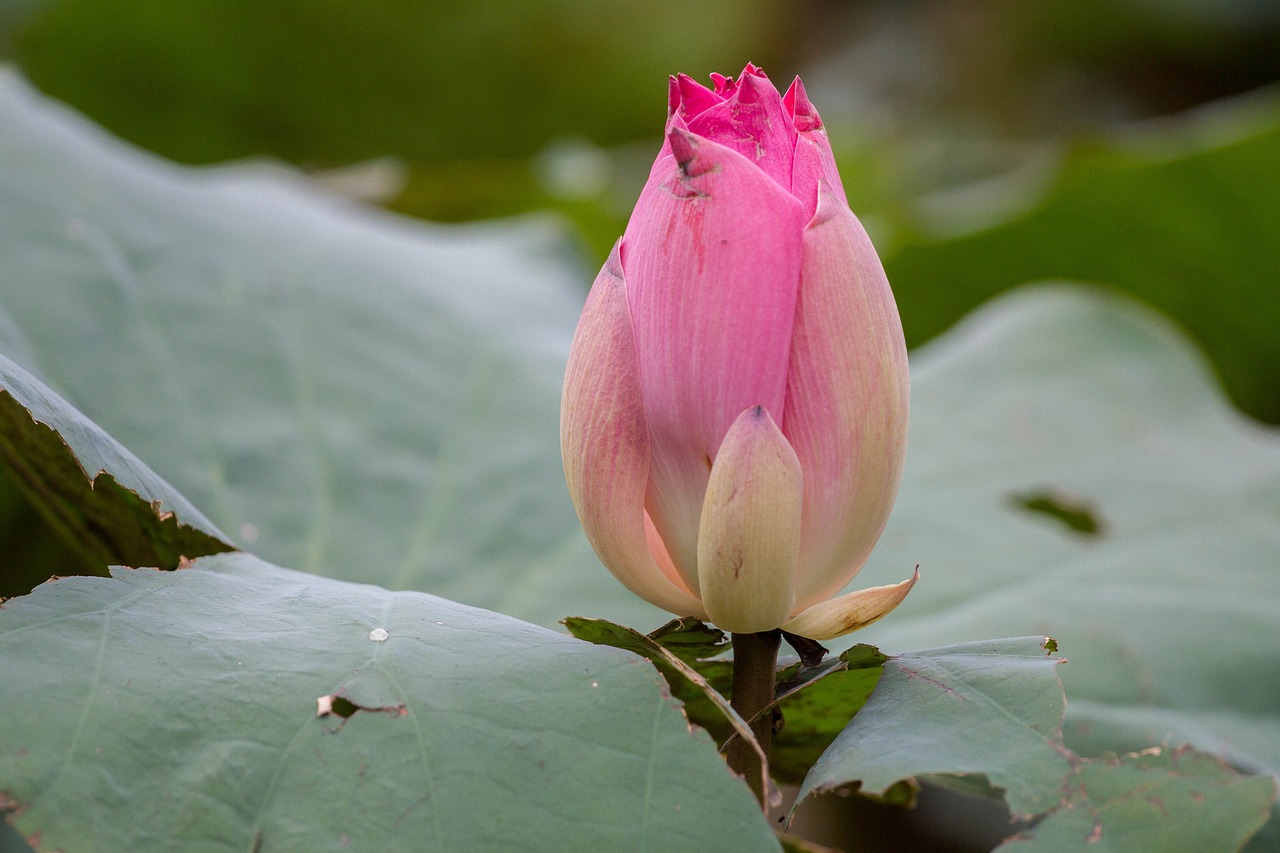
121 513
1159 799
685 681
1003 695
816 702
691 640
986 718
187 710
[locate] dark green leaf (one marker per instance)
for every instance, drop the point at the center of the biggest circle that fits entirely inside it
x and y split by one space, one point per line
691 640
334 83
816 702
795 844
106 505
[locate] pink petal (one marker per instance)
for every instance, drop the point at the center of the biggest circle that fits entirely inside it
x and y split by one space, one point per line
712 261
726 86
753 122
847 397
813 162
749 537
692 97
605 445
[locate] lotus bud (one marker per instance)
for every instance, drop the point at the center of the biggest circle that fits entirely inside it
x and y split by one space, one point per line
734 415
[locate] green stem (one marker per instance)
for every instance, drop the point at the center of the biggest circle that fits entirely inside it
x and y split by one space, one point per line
755 661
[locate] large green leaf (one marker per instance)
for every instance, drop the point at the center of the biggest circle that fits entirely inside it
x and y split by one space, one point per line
340 389
987 717
1169 615
252 686
992 708
186 717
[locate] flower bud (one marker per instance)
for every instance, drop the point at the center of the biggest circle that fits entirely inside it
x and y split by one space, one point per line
734 415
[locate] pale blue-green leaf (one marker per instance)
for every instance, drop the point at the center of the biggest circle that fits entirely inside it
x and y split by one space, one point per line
992 708
342 390
1161 799
1169 615
160 711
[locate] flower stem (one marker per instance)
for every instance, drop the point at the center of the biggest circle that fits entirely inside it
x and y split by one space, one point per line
755 660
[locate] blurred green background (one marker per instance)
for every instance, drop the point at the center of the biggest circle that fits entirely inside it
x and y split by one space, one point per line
987 143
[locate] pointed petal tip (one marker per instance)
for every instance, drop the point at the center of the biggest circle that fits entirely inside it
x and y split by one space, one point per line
688 98
613 263
684 147
828 204
850 612
803 113
754 87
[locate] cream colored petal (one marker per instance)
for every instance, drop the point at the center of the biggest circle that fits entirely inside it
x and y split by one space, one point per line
839 616
749 536
605 444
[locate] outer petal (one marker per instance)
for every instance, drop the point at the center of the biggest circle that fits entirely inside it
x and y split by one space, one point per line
847 397
839 616
605 445
749 539
712 261
814 163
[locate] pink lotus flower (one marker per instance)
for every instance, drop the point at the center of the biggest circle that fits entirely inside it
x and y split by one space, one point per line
735 407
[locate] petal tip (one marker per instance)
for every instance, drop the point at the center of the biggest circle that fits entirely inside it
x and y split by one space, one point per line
685 147
803 113
851 612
